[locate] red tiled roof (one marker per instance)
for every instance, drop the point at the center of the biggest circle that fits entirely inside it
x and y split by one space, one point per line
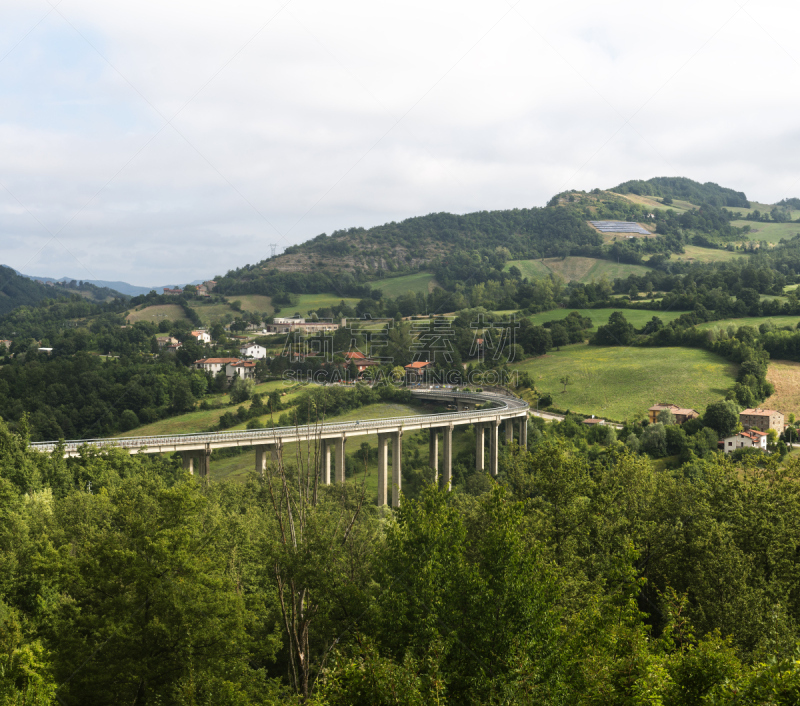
216 361
244 364
760 412
354 354
418 364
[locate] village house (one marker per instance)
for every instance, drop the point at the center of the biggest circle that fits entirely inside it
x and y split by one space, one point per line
5 342
762 420
213 365
745 440
681 414
164 341
246 369
172 292
415 372
202 291
253 350
594 420
174 348
210 284
359 360
202 336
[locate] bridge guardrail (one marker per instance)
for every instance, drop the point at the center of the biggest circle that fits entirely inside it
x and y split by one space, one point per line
275 434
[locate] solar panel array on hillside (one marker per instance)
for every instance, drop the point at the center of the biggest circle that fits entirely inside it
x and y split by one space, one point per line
619 227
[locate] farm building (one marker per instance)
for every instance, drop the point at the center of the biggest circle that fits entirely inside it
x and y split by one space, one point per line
762 419
745 440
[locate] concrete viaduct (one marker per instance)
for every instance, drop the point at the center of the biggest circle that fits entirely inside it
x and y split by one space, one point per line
485 410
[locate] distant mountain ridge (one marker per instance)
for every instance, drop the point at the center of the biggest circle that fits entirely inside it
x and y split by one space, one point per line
130 290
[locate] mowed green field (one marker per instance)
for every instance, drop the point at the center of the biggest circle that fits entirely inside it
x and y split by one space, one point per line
677 204
396 286
313 302
617 382
599 317
771 232
253 302
577 269
158 313
754 321
698 254
213 312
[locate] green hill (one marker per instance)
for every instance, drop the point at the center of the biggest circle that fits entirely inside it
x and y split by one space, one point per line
16 291
687 190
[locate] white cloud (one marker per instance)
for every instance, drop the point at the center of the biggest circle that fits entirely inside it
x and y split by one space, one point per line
293 119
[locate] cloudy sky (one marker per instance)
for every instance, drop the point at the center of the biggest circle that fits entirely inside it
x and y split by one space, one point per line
158 142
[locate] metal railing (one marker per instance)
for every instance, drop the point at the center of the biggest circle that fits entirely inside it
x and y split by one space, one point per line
305 431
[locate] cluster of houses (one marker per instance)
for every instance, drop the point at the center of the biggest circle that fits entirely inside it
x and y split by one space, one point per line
245 369
755 423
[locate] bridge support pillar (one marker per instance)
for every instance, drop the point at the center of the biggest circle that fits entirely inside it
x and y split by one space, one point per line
447 470
523 432
326 461
205 462
383 459
262 451
433 452
397 478
340 459
188 461
494 439
479 447
509 431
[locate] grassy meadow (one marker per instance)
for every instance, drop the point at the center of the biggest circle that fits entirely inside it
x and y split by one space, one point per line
576 269
698 254
213 312
785 375
637 317
754 321
771 232
617 382
158 313
396 286
253 302
313 302
677 204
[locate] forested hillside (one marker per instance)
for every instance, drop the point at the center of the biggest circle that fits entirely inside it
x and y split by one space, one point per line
18 291
710 194
569 579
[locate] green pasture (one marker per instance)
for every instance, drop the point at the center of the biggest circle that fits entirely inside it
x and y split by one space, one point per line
676 205
771 232
763 208
213 312
698 254
253 302
577 269
313 302
618 382
754 321
397 286
637 317
158 313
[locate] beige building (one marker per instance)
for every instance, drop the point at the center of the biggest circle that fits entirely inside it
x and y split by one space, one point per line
681 414
762 419
213 365
245 368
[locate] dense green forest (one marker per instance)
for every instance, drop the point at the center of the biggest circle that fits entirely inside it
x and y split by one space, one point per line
571 579
687 190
